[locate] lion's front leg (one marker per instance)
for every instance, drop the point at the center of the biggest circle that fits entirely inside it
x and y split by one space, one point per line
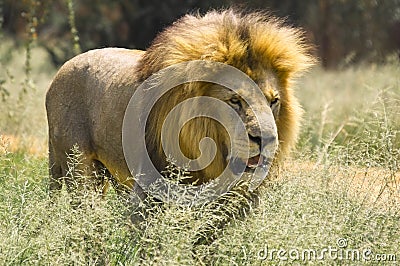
141 203
235 204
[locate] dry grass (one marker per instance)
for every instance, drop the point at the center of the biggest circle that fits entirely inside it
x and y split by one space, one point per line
27 144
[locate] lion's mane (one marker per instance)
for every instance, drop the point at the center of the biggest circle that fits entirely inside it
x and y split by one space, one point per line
245 41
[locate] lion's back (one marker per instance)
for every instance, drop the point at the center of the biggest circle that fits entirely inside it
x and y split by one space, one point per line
87 99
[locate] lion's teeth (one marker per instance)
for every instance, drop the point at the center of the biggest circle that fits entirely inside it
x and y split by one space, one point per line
253 162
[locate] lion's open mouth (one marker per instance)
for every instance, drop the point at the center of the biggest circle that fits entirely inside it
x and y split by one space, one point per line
254 162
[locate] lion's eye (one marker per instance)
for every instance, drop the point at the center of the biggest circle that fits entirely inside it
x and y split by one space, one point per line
235 101
274 101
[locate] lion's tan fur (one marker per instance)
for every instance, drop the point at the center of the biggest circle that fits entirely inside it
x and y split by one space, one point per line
88 97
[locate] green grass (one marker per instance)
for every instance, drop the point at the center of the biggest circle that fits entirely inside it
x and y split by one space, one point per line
341 184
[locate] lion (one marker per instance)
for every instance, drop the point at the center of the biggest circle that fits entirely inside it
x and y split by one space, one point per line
88 97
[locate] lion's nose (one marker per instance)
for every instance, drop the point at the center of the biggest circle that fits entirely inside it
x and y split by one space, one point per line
269 145
262 142
270 139
256 140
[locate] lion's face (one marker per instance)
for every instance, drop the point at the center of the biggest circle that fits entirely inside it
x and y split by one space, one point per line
261 131
255 126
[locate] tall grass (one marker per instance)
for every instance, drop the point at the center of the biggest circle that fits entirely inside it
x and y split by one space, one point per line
23 115
342 184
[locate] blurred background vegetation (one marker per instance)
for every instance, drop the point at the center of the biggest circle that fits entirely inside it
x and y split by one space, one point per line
344 31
